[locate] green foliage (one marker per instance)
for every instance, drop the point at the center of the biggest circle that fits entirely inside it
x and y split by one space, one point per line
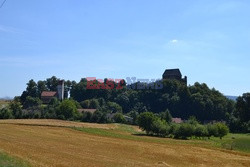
222 129
160 127
185 130
201 131
5 113
166 116
212 130
119 118
16 109
85 104
31 102
113 107
94 104
67 109
146 120
243 107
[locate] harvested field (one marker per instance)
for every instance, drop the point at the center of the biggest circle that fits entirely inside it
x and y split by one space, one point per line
56 123
61 146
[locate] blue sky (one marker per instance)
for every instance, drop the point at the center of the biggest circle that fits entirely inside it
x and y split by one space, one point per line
207 39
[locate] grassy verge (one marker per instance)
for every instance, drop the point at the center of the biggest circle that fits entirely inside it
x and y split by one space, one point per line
238 142
8 161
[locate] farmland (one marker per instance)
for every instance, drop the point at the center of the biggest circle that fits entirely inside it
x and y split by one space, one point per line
65 143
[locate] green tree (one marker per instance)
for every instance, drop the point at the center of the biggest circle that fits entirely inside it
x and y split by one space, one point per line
185 130
5 113
113 107
16 109
160 127
166 116
94 104
212 130
31 102
119 118
146 120
85 104
67 109
243 107
200 131
222 129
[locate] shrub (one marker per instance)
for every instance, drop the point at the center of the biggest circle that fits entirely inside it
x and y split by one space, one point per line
5 114
146 120
212 130
159 127
222 129
185 130
68 109
200 131
119 118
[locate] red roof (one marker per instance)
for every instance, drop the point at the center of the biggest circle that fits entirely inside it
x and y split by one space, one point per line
177 120
48 94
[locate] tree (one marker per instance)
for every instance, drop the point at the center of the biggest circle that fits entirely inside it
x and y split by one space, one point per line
159 127
94 104
119 118
32 88
222 129
16 109
67 109
166 116
212 130
113 107
185 130
146 120
85 104
200 131
5 113
31 102
243 107
41 86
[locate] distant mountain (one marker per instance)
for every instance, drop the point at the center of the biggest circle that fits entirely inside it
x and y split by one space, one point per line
6 98
232 97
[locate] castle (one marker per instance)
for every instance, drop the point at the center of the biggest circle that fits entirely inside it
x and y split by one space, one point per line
174 74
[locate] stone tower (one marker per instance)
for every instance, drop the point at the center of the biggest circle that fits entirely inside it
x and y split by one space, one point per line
60 90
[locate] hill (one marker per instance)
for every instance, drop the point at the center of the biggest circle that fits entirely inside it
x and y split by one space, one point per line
65 143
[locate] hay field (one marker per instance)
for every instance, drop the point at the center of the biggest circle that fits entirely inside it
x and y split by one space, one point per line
53 145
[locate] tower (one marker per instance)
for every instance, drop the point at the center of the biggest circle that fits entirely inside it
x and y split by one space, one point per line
60 90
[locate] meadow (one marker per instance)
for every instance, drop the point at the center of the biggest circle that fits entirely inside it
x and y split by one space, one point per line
65 143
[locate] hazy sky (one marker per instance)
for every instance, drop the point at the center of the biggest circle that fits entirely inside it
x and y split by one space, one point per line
72 39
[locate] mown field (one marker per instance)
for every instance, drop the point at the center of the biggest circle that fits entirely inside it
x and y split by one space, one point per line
65 143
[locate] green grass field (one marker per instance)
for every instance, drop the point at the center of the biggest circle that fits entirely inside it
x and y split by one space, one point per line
237 142
8 161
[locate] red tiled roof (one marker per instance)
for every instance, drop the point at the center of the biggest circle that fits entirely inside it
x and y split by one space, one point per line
48 94
177 120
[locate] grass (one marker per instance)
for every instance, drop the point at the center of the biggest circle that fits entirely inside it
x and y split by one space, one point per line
238 142
8 161
110 145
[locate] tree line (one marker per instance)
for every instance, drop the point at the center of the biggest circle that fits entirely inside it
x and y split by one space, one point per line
181 101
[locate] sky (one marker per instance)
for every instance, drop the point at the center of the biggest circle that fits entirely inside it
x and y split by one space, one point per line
208 40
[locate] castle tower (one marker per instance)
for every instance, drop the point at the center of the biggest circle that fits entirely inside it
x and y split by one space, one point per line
60 90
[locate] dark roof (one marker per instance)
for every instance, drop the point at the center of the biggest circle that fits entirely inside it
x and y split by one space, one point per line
175 72
86 110
48 94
